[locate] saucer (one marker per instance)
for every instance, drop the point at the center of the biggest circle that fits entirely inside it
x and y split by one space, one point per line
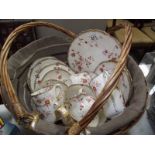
57 74
49 83
37 66
55 67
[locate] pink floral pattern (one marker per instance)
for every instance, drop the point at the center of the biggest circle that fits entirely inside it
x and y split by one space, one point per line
90 49
124 83
80 105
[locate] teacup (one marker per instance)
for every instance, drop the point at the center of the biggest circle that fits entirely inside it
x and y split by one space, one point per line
78 89
49 100
115 104
99 82
79 106
80 78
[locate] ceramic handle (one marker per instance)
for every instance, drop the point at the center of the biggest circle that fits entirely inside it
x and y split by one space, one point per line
58 89
62 113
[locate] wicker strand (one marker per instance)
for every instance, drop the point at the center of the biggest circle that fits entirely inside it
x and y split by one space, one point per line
107 90
111 84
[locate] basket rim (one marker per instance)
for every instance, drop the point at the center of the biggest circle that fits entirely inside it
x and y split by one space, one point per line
93 132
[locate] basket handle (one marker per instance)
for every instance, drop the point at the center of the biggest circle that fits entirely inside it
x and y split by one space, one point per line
23 116
112 29
77 127
31 119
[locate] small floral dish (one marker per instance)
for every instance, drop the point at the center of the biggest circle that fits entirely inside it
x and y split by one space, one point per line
37 66
50 83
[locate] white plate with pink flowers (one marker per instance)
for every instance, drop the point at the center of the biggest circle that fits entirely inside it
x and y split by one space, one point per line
58 75
91 48
37 66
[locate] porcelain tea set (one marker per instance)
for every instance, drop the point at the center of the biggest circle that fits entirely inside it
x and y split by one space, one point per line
66 93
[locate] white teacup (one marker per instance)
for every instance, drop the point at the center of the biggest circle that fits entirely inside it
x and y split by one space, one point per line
79 106
99 82
76 90
80 78
115 104
49 100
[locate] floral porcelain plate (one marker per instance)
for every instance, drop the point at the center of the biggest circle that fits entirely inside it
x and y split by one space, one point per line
124 83
52 67
91 48
56 74
38 61
105 66
37 66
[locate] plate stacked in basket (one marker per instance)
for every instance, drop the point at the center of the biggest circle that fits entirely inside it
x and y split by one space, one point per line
66 93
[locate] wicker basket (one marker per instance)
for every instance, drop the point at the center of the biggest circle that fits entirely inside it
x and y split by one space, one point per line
31 120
